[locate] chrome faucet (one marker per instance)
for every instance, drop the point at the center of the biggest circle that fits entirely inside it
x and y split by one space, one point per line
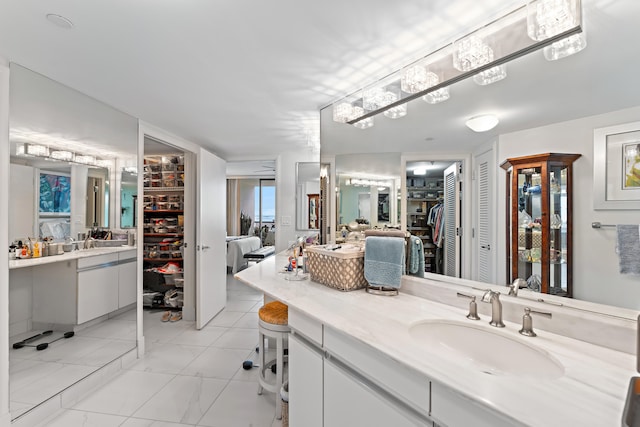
88 242
527 321
517 284
473 307
496 307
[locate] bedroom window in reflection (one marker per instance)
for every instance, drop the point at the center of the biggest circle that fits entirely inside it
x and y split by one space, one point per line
265 211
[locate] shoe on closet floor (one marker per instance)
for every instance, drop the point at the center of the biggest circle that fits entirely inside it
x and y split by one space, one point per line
176 316
166 316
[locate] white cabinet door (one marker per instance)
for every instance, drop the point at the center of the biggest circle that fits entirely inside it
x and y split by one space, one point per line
97 292
305 384
127 287
349 402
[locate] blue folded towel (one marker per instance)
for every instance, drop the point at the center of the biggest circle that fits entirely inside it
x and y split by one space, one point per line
628 248
384 261
416 256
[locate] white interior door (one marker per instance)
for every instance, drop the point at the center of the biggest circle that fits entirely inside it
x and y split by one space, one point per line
211 268
452 211
484 244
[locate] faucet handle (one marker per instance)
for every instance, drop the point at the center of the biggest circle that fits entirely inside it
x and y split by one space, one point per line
527 321
473 306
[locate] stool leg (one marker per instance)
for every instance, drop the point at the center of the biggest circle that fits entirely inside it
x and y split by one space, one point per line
262 360
279 375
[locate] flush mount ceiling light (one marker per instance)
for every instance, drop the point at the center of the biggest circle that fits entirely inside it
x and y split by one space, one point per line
552 25
420 171
60 21
482 123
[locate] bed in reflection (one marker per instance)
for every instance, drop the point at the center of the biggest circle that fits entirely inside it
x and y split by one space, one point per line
237 247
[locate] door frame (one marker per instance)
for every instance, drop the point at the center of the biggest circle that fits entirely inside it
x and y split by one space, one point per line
465 178
190 149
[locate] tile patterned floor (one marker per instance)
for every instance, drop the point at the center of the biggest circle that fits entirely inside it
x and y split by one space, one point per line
187 377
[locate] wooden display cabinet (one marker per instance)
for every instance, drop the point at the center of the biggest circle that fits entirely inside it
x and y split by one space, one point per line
539 221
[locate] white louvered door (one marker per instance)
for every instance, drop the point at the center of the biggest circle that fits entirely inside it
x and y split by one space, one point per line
451 216
484 246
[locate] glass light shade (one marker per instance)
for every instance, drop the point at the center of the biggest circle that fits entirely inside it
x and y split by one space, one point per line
342 112
364 123
104 163
85 159
470 53
482 123
373 98
63 155
397 111
437 96
35 150
565 47
492 75
547 18
416 78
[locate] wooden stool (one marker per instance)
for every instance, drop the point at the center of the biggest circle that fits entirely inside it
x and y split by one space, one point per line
273 323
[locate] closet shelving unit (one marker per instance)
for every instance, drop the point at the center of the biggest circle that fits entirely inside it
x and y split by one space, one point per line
422 194
164 213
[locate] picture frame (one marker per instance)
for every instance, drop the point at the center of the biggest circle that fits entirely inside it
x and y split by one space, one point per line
54 194
616 167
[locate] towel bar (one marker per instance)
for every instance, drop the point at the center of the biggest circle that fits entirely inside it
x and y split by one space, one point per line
600 225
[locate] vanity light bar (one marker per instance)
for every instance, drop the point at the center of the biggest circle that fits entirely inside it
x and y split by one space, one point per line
481 53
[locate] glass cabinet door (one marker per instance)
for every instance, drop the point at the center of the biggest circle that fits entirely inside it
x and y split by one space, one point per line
539 221
558 281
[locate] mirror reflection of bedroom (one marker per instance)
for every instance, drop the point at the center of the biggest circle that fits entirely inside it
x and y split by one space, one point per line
251 201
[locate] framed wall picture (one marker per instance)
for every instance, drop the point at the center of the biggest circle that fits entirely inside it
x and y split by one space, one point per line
616 167
54 194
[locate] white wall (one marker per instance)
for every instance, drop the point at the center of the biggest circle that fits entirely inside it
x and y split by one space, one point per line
595 274
4 237
286 195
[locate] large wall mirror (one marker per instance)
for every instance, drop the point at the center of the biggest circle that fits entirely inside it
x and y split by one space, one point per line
68 154
543 106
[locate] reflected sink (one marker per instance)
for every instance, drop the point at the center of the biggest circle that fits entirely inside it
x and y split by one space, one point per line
490 352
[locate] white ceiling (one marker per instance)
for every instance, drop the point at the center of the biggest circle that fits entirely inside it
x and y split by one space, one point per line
246 78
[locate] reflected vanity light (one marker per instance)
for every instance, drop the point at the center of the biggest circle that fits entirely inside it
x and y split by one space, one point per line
63 155
85 159
482 123
554 26
32 150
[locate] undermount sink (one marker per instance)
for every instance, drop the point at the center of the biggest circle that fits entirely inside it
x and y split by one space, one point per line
490 352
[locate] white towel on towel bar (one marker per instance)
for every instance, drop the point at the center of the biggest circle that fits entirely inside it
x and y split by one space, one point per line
628 248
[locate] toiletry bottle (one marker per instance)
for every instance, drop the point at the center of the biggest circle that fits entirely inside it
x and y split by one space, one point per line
25 252
36 249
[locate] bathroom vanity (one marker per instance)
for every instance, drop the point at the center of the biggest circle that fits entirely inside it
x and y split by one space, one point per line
68 290
415 359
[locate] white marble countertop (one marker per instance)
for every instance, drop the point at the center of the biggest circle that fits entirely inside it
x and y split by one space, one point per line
590 393
67 256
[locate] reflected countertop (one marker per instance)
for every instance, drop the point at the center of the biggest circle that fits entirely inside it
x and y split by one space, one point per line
67 256
590 393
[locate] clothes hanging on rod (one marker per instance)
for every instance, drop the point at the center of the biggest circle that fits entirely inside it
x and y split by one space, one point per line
436 220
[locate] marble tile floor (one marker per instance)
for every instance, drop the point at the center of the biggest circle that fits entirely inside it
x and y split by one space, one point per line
35 376
187 377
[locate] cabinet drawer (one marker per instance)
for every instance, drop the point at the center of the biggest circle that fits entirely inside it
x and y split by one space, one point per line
453 409
93 261
398 379
306 326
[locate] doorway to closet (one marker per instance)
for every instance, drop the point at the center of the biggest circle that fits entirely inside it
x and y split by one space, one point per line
434 208
167 214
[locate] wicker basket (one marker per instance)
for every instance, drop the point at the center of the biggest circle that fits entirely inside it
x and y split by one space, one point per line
536 238
342 270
